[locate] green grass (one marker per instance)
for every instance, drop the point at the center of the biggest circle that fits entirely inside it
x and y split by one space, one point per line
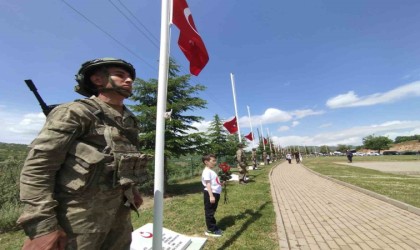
404 188
248 218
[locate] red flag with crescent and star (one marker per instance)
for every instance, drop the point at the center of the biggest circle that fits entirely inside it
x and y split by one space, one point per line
265 141
249 136
189 40
231 126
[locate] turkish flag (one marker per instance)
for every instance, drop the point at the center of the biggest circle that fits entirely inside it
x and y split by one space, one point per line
265 141
231 125
249 136
189 40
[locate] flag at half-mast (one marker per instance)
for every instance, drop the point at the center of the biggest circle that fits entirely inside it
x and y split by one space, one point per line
189 40
231 126
265 141
249 136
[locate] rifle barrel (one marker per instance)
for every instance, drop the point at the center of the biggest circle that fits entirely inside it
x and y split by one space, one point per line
43 105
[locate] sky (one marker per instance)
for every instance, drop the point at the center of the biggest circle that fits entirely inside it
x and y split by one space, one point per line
312 72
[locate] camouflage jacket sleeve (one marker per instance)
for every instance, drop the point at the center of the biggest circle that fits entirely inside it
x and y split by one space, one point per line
48 151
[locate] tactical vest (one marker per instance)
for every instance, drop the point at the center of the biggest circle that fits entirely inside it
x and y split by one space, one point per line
104 158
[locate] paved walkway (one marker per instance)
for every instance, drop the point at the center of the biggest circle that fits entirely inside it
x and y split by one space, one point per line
316 213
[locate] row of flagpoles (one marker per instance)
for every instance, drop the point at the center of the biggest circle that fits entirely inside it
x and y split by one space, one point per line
232 126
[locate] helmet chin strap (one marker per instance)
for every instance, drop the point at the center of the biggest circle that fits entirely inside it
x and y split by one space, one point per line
115 88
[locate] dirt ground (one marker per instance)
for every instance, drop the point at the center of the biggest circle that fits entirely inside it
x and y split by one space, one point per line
410 168
406 146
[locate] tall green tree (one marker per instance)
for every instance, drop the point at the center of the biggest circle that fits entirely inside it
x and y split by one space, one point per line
377 142
324 149
181 138
218 142
342 148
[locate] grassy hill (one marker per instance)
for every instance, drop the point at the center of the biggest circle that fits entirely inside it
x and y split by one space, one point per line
13 151
406 146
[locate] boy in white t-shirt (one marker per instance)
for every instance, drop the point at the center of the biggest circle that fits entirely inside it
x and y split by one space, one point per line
211 194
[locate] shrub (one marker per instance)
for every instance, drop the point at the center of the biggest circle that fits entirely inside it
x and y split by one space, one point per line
9 193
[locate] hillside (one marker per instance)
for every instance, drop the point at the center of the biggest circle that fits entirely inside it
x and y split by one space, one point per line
11 150
406 146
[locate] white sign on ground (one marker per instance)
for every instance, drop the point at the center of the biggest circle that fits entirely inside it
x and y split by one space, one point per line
234 177
142 239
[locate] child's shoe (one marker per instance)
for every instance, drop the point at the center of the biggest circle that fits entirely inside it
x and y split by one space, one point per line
216 233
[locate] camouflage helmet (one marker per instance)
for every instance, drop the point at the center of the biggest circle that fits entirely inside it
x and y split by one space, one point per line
85 87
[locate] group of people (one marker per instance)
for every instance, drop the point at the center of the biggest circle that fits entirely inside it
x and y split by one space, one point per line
79 180
295 155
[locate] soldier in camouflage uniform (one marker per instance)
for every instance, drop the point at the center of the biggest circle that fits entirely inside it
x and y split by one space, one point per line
241 160
79 179
254 158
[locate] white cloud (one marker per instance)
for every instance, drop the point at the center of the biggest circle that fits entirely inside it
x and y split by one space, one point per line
283 128
298 114
350 99
19 128
325 125
273 115
201 126
353 136
295 123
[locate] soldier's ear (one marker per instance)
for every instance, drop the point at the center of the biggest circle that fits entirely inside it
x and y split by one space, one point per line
98 79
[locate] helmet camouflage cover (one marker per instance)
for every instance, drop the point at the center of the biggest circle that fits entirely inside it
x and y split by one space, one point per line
85 87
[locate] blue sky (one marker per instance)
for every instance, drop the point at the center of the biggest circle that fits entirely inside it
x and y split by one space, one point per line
312 72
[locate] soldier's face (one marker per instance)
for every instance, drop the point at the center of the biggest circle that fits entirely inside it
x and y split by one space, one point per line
121 78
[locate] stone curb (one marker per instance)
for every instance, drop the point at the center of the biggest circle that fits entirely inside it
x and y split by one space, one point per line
384 198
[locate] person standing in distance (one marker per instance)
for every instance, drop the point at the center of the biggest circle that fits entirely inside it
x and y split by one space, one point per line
79 179
254 158
241 161
349 155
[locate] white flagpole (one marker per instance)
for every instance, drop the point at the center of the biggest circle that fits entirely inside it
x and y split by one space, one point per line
262 134
160 126
232 79
250 123
268 139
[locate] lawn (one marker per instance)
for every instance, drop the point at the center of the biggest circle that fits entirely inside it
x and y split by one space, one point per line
404 188
248 218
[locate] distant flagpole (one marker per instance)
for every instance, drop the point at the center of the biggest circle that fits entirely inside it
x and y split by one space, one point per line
160 125
259 136
268 139
262 134
232 79
250 123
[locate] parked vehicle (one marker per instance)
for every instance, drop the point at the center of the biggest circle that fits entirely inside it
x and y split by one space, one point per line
389 152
